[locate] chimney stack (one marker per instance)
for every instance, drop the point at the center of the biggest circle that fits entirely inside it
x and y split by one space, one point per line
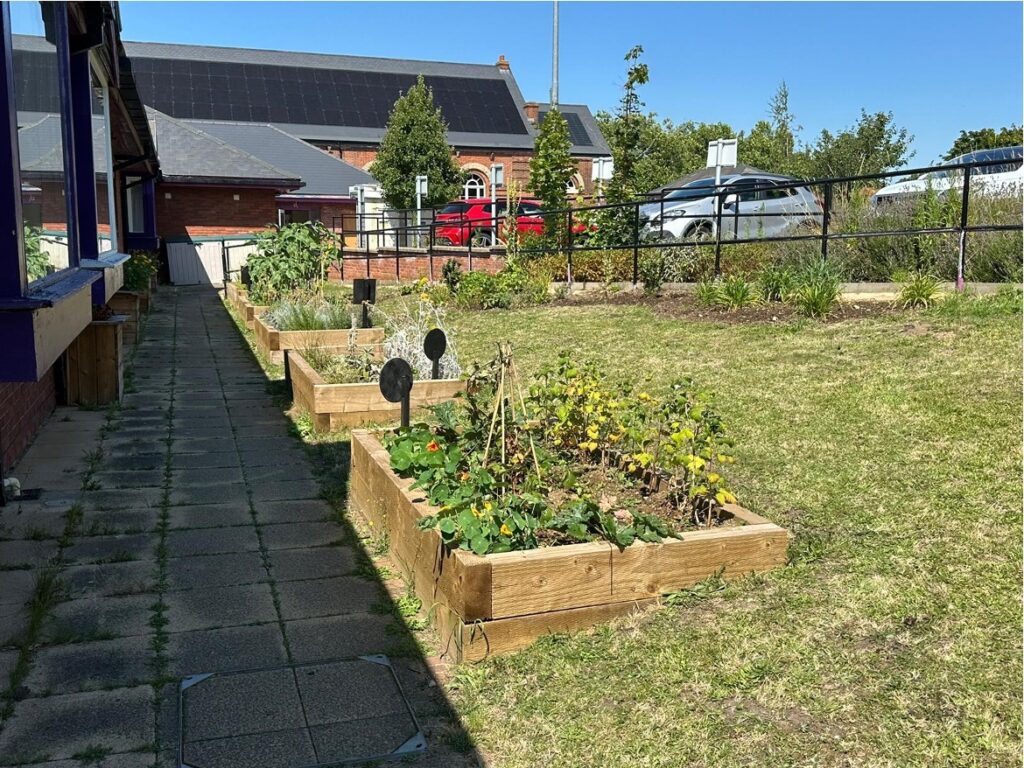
532 109
502 63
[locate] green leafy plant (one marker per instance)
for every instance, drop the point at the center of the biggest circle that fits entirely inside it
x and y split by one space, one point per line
451 274
551 169
776 282
139 270
735 292
36 260
707 292
817 290
289 259
309 315
920 290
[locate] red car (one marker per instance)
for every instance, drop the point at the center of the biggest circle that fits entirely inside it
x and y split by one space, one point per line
462 220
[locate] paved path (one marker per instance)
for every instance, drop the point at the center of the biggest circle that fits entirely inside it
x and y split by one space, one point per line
199 544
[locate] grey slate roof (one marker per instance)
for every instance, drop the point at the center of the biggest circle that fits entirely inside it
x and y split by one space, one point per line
190 155
598 146
180 89
321 173
40 148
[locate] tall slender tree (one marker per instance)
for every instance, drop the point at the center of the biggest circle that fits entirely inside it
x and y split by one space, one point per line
416 144
552 168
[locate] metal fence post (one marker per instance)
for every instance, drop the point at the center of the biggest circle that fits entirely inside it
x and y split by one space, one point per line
826 219
961 262
718 236
636 245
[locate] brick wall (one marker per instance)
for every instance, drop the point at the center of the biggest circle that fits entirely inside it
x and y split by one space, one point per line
23 409
517 164
54 206
208 211
412 267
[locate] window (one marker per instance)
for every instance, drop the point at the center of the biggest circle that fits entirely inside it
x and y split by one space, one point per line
529 209
135 206
475 186
775 193
296 217
106 232
452 208
745 188
41 132
575 185
695 190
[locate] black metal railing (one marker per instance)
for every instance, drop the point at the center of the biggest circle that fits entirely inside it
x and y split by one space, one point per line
660 221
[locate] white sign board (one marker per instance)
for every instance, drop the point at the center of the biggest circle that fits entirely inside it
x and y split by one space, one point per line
421 186
601 169
721 152
497 175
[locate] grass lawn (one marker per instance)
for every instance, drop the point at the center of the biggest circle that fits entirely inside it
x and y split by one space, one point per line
891 447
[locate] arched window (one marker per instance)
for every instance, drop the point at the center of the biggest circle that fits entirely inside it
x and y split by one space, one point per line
575 185
475 186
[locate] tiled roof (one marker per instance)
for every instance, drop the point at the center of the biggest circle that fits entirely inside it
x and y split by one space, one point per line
584 131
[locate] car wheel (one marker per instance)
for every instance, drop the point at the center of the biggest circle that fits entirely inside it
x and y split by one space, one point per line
698 233
482 238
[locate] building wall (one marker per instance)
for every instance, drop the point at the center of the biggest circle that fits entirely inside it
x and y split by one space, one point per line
384 266
23 409
517 164
212 211
55 211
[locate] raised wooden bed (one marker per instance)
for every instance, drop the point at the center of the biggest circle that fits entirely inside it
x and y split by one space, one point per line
351 405
128 304
497 603
273 342
238 297
95 363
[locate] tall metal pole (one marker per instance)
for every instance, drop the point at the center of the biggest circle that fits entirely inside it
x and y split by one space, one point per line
554 58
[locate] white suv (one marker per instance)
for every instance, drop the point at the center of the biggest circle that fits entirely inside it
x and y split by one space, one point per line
1004 179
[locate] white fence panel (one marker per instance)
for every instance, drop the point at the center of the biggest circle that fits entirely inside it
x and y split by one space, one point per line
195 263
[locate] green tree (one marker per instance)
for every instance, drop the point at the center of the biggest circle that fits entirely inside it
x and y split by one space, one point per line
771 144
551 168
416 144
873 145
986 138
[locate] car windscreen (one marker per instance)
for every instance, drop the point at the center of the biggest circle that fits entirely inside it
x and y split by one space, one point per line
1013 155
695 190
455 208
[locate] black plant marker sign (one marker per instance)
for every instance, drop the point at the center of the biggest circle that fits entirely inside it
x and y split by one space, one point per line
434 345
396 383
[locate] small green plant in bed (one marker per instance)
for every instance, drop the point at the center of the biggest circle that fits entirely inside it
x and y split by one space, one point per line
919 290
139 270
342 368
309 315
567 458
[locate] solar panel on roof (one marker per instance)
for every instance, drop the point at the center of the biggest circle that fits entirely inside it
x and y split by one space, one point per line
360 99
577 132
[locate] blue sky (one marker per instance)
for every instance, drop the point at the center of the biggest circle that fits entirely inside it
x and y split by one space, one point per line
939 67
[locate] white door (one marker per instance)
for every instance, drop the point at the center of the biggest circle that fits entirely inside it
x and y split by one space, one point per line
195 263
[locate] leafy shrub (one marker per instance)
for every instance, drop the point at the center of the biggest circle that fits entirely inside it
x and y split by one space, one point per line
290 258
451 273
776 282
309 315
139 270
37 261
512 287
707 292
921 290
405 332
572 421
734 292
817 290
356 367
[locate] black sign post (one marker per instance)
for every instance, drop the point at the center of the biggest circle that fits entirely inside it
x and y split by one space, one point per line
396 384
434 345
364 293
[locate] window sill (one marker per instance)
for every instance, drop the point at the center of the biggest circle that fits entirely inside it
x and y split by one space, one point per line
38 327
110 267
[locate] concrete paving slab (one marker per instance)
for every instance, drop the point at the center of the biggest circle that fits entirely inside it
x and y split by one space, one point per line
111 549
120 521
283 490
337 637
301 511
362 738
300 535
15 524
116 477
61 726
209 459
109 579
16 587
272 458
281 749
244 703
348 690
210 516
225 650
124 760
219 607
215 571
136 498
96 618
212 541
221 493
90 666
205 476
327 597
316 563
26 552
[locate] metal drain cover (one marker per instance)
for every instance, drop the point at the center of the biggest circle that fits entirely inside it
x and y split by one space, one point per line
303 716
